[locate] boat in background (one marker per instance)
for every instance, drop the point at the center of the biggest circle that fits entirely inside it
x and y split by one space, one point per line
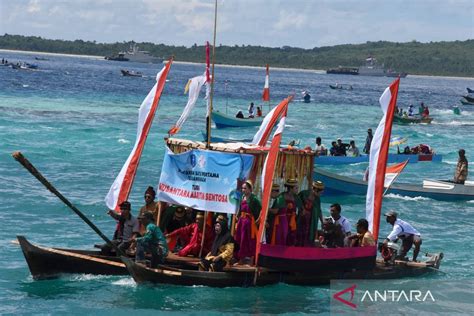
135 55
412 119
343 71
217 139
130 73
465 102
392 158
469 90
223 120
341 87
372 68
434 189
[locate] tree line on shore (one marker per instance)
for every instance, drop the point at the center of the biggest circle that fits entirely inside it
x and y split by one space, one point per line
435 58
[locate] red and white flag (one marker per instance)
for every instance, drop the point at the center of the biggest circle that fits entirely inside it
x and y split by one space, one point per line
263 133
392 172
378 158
122 185
267 176
266 88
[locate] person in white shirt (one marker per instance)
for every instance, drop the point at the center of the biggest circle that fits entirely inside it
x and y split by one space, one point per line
353 151
251 110
337 218
320 149
404 231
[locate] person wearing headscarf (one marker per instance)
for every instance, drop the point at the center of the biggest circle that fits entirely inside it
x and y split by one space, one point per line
311 213
284 225
222 248
150 206
246 230
194 233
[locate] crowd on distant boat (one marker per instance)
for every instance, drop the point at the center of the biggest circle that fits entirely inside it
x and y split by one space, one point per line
19 65
423 111
338 148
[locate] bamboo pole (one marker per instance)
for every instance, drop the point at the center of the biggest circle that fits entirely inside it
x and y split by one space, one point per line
18 156
209 120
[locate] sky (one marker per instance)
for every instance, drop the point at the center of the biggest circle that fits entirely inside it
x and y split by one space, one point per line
297 23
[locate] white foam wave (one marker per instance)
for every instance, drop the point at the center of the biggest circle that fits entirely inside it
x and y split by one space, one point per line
128 282
26 85
450 162
407 198
88 277
123 141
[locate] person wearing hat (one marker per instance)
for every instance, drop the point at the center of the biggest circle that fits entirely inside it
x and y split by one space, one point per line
222 248
404 231
272 211
284 225
368 141
460 176
364 237
193 233
173 217
152 241
150 205
246 228
311 213
127 228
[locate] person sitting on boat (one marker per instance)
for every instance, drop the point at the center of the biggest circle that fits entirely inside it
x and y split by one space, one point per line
320 149
405 114
251 110
410 110
127 228
152 242
331 235
333 149
424 149
341 148
172 218
353 151
239 115
246 229
307 228
460 176
421 109
426 112
284 225
404 231
400 112
259 111
368 141
336 216
194 233
364 237
150 206
222 248
407 150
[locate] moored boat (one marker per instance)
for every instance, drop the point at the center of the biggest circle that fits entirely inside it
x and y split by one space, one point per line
340 87
222 120
392 158
438 190
343 71
131 73
411 119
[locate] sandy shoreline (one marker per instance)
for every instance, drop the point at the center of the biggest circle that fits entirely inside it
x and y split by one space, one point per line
316 71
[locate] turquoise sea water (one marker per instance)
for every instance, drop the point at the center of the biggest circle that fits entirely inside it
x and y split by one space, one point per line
75 119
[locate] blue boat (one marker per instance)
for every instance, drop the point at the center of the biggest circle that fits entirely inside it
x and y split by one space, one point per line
222 120
392 158
434 189
217 139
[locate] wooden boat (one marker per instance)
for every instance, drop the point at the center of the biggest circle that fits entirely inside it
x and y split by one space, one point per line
465 102
246 276
46 262
341 87
392 158
469 98
222 120
411 119
217 139
438 190
130 73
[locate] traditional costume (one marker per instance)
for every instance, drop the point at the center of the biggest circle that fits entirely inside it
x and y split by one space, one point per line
221 251
194 234
310 215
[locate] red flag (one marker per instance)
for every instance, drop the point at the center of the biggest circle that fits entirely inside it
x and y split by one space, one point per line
392 172
266 88
267 176
122 185
263 133
378 158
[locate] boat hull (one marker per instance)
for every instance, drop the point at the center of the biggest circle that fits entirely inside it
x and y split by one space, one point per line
411 120
392 158
222 121
45 263
339 185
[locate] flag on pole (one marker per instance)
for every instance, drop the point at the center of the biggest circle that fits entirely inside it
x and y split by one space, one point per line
194 87
122 185
263 133
266 88
392 172
208 80
267 176
378 158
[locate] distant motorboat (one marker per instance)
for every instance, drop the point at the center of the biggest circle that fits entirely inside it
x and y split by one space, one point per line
469 90
222 120
341 87
41 58
465 102
412 119
131 73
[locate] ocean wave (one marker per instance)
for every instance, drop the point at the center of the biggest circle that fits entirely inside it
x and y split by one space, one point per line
123 141
454 123
450 162
89 277
128 282
407 198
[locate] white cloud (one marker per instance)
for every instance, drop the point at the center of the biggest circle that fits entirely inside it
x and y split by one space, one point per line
33 6
288 20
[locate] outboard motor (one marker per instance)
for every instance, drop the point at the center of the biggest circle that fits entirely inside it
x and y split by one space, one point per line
389 251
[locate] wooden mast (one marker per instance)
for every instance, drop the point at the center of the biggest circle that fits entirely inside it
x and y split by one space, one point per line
209 120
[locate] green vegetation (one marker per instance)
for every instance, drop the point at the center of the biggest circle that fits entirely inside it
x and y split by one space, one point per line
435 58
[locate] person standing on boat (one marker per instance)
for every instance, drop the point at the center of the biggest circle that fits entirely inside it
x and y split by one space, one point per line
320 149
307 232
152 242
259 111
460 175
222 248
336 216
306 97
368 141
284 225
410 110
251 110
364 237
246 229
127 228
421 109
404 231
193 233
150 206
